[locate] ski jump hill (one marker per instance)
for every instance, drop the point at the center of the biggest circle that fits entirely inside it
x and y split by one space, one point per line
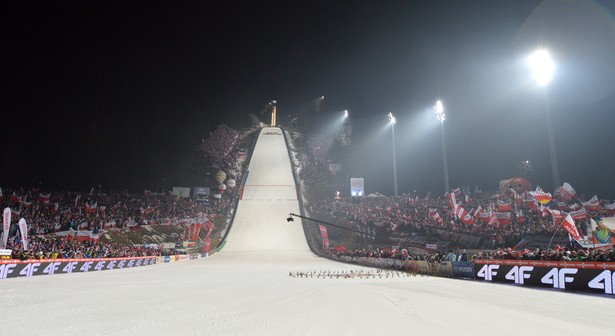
249 289
269 194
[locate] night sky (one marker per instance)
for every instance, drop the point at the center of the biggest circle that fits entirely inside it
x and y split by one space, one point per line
120 93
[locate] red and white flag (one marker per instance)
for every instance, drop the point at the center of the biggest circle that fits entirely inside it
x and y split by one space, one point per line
568 225
610 209
566 192
461 212
467 219
493 219
478 211
432 212
452 201
579 214
593 204
556 214
44 197
90 208
504 205
574 207
503 217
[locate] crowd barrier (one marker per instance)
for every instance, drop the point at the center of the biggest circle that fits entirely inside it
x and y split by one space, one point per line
581 276
449 269
597 277
180 257
17 268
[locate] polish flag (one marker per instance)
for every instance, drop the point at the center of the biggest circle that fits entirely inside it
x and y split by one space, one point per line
461 213
503 217
90 208
504 205
432 212
44 197
467 219
568 225
478 211
593 204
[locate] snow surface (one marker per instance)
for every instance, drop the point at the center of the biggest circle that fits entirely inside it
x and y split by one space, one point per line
247 289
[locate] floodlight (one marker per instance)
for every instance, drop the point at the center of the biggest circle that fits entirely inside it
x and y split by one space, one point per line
439 108
542 66
391 118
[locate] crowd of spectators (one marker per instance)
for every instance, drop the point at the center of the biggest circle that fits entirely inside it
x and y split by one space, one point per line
540 254
96 210
52 212
412 215
397 218
219 146
53 247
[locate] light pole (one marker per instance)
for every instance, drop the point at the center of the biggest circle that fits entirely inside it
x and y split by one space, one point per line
393 121
543 68
526 166
441 116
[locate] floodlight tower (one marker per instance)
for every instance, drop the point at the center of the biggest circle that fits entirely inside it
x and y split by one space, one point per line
543 69
272 106
392 121
441 116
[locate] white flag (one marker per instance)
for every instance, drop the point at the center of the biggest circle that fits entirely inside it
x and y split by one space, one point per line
6 225
23 228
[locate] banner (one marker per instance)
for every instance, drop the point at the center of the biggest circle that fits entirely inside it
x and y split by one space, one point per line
23 229
15 269
587 276
463 269
603 232
183 192
443 269
6 226
357 187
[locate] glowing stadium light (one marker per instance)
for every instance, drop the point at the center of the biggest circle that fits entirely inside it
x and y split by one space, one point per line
439 108
345 114
392 118
542 66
